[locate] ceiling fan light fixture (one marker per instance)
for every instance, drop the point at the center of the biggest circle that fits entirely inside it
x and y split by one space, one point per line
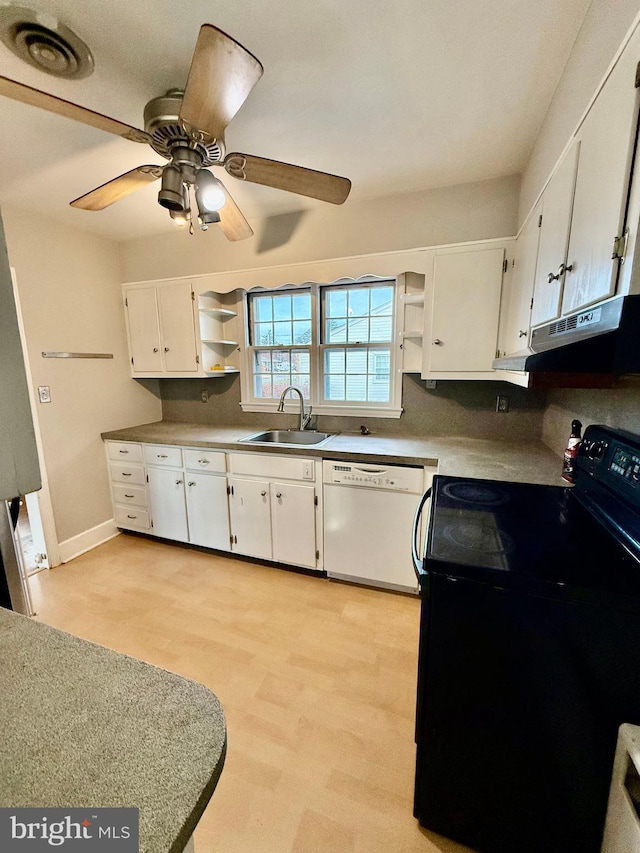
171 193
210 194
182 217
207 218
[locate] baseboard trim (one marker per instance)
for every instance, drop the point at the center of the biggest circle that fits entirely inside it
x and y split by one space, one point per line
83 542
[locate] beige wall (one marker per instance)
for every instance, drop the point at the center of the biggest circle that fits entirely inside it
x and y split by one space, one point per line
604 28
69 290
457 214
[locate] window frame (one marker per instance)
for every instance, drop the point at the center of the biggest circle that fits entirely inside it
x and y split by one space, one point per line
391 409
252 348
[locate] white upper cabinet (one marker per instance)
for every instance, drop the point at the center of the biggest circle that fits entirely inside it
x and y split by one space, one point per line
144 330
175 304
606 138
462 308
557 204
161 329
517 294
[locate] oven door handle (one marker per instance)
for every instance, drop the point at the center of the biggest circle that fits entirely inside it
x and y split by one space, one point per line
417 561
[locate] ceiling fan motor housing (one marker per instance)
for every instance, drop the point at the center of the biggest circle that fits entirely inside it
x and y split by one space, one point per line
162 123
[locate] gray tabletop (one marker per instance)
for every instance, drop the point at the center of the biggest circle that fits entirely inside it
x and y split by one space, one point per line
85 726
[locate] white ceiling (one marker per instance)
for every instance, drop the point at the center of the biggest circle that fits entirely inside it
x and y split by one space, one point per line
397 96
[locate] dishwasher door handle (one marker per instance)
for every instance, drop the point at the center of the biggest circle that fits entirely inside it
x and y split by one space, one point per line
417 561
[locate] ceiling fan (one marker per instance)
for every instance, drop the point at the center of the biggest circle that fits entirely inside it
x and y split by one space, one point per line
187 129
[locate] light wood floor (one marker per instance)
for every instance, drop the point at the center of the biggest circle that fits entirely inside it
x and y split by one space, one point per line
317 680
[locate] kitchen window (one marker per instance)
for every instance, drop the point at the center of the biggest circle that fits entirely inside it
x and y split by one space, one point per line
334 342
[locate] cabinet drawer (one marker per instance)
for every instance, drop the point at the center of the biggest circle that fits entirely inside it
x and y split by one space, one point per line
204 460
124 450
133 495
272 465
129 516
158 454
133 474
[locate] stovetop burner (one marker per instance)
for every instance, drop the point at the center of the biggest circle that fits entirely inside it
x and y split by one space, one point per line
478 536
475 493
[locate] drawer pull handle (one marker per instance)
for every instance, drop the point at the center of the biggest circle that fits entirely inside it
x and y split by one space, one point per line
278 494
132 516
129 496
204 461
166 349
123 451
178 482
162 456
438 342
155 349
264 494
124 474
191 483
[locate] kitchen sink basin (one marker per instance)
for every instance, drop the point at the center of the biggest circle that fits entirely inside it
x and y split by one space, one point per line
300 437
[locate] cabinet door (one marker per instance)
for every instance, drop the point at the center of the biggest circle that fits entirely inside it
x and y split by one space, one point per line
293 509
557 204
466 308
249 508
168 509
607 140
177 324
208 511
144 331
515 313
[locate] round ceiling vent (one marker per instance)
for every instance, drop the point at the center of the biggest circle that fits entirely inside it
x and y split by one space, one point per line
41 40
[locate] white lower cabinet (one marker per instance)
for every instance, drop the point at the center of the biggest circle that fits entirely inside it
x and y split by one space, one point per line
207 512
168 504
273 516
293 518
269 507
250 512
128 485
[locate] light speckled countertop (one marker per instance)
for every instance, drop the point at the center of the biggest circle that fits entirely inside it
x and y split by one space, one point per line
85 726
517 461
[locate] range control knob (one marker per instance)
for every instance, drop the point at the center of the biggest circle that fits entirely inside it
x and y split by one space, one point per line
596 449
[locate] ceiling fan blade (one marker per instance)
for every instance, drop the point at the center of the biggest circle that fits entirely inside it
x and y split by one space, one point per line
36 98
283 176
221 76
118 188
232 223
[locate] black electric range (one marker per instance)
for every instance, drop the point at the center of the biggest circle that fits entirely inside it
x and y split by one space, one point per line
529 653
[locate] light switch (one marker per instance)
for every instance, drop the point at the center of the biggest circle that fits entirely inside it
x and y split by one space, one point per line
44 393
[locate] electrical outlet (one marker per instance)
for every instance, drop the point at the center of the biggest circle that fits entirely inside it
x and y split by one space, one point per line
44 393
430 384
204 396
502 403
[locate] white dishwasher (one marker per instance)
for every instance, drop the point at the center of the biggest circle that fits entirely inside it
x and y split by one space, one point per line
368 516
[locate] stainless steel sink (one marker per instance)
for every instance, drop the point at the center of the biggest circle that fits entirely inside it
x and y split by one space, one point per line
298 437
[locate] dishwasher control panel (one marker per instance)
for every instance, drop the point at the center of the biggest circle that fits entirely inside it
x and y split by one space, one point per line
371 476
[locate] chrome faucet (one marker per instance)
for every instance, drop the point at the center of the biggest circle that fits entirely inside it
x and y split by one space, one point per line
304 417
